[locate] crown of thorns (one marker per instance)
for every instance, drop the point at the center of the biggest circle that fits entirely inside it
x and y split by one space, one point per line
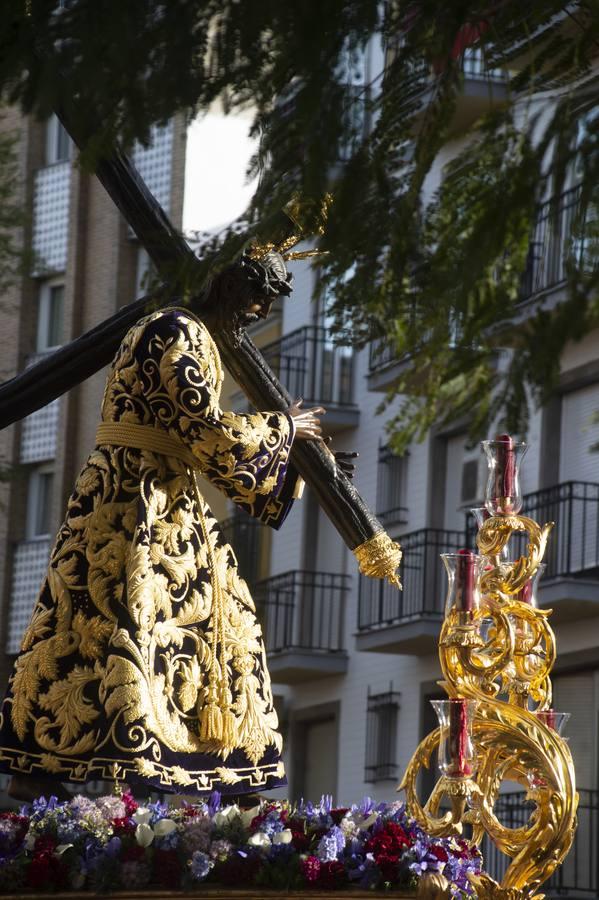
294 211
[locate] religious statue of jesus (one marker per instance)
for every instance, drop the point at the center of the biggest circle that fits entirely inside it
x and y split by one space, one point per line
144 660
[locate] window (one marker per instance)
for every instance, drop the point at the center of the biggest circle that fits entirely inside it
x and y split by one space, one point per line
39 503
381 736
391 487
49 324
469 491
58 142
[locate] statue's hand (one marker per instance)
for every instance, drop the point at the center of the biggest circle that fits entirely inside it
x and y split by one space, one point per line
307 422
343 458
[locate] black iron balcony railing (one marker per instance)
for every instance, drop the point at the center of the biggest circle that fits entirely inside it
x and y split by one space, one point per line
573 547
553 242
246 536
303 611
423 579
381 353
558 237
579 874
311 366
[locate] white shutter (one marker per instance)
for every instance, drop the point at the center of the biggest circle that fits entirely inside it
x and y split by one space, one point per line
578 434
321 759
577 694
457 455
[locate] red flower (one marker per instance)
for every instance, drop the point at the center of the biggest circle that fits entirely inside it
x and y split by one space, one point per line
44 844
45 872
337 814
300 840
311 869
389 866
123 827
389 840
131 804
332 875
439 853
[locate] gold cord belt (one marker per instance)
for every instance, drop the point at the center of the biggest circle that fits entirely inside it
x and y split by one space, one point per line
145 437
217 720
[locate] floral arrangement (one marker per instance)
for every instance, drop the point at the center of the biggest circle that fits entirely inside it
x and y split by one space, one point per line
112 842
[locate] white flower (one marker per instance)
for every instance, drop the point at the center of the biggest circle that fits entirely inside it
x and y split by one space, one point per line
226 815
282 837
366 823
58 851
260 839
248 815
29 841
142 815
144 835
164 827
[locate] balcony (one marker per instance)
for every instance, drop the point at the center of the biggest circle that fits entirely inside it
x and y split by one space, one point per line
554 242
570 583
578 876
384 365
250 542
482 88
303 616
30 562
558 239
311 366
408 621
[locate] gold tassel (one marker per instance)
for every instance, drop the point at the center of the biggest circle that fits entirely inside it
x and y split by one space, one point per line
230 733
211 724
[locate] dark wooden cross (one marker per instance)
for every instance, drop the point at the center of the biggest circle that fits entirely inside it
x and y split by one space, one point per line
176 264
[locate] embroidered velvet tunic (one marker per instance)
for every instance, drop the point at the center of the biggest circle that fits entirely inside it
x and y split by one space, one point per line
143 614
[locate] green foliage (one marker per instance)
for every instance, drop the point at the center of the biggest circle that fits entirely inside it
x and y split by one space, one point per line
11 213
436 270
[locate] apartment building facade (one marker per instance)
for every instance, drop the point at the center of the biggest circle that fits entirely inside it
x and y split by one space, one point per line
86 264
354 661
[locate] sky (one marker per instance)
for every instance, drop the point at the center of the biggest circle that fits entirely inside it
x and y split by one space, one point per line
216 188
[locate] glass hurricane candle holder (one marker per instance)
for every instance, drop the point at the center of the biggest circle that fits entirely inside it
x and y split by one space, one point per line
503 494
552 719
463 576
528 594
457 757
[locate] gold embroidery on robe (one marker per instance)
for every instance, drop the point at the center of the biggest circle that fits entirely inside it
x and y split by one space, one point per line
115 662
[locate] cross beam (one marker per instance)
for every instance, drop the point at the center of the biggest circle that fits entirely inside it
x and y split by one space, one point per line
178 267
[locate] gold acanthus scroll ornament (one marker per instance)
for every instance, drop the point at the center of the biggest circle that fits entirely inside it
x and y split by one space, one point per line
512 655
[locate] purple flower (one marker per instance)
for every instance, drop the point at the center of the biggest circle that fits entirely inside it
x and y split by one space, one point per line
424 861
200 865
366 806
214 802
331 845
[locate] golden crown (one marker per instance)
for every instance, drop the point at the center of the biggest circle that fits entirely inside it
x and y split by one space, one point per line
298 212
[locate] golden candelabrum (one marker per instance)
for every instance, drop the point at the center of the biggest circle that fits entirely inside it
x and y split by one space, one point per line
497 650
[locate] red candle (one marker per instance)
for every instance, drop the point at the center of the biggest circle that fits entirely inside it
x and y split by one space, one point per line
465 581
525 595
547 717
459 739
505 473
